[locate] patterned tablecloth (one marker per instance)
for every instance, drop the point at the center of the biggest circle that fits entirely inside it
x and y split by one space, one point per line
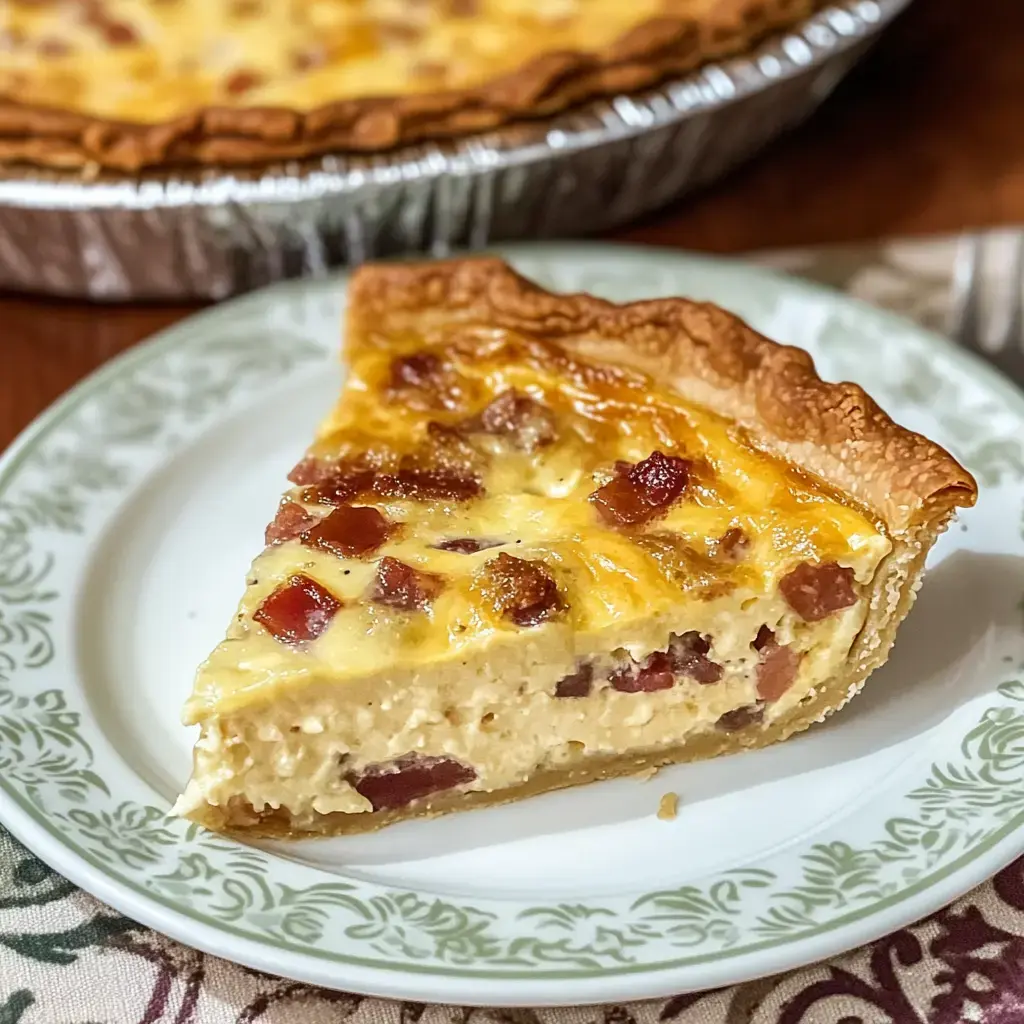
67 959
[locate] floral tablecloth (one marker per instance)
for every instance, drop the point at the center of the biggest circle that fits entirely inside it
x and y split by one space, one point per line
67 959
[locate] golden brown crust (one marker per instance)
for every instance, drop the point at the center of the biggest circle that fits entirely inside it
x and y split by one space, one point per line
835 432
655 50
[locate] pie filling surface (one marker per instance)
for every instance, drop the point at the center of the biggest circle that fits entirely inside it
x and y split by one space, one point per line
503 561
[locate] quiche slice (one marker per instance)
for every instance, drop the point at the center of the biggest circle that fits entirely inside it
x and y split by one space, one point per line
544 540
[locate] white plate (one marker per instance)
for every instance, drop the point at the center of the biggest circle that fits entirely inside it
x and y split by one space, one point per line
129 513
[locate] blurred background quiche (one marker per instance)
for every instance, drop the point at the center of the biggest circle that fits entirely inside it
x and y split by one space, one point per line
128 84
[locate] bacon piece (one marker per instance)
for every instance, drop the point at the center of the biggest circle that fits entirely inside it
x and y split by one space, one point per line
243 80
298 611
401 586
732 721
411 777
349 531
732 545
578 684
424 381
647 489
119 33
290 521
527 423
422 370
764 636
309 471
426 484
521 590
778 665
444 436
339 484
689 657
815 592
656 673
467 545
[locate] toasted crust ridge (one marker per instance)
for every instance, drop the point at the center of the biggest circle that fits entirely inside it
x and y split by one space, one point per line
547 84
834 431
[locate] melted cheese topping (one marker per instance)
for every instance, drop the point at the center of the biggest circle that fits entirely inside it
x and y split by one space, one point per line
147 61
622 589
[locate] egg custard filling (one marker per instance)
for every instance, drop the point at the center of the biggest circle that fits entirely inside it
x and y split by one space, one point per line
544 540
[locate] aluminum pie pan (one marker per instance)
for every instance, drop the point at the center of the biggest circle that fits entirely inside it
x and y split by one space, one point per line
210 233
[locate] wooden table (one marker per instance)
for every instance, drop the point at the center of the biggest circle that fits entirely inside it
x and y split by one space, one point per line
927 136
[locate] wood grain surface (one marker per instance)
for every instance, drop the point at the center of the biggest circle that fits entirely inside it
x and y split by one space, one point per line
926 136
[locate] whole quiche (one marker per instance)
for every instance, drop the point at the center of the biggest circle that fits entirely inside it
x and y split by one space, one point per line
129 84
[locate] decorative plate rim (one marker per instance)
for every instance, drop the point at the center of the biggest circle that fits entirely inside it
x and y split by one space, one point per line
401 978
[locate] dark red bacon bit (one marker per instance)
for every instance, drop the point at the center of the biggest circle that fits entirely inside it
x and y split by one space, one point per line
733 721
764 637
241 81
427 484
412 777
290 521
423 380
527 423
690 657
732 545
423 371
778 665
647 489
309 471
297 611
578 684
521 590
119 33
467 545
815 592
349 531
340 484
401 586
656 673
444 436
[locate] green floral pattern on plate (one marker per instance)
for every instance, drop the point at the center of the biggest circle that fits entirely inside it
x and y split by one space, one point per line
58 487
